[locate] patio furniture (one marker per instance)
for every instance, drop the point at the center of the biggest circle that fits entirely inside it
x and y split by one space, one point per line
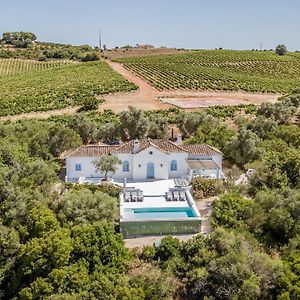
134 196
175 196
182 196
126 196
169 196
140 196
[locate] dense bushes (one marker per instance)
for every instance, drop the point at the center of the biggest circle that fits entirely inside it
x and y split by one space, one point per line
203 188
230 210
60 241
24 47
271 216
224 265
84 207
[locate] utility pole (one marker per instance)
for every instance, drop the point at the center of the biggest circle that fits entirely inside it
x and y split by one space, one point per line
100 40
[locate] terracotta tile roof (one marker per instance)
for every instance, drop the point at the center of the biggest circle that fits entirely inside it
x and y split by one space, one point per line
88 151
201 149
166 146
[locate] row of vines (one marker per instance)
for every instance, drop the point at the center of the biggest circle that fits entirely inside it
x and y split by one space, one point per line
12 67
61 87
225 70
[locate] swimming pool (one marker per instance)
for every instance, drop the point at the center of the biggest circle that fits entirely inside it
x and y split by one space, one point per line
159 213
156 216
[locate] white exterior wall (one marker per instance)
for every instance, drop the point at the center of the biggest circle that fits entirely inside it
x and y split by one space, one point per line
119 173
182 167
87 167
158 158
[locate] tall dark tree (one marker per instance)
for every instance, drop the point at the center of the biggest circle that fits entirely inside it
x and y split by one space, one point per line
281 49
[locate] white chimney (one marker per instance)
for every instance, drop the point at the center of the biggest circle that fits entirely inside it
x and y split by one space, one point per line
179 139
136 146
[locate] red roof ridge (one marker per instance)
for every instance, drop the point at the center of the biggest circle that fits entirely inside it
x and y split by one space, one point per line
214 148
176 145
163 145
156 146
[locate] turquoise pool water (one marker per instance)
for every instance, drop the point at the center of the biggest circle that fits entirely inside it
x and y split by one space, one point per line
159 213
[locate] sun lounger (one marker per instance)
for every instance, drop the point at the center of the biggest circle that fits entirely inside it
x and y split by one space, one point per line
182 196
134 196
140 196
169 196
126 196
175 196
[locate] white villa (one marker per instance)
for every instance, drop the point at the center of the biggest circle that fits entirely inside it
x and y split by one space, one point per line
146 159
158 198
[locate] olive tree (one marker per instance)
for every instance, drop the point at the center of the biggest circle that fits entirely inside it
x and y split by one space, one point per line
107 164
244 147
133 124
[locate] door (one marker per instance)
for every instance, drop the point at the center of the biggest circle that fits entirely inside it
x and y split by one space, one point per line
150 170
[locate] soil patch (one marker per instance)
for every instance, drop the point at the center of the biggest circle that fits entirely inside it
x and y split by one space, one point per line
189 103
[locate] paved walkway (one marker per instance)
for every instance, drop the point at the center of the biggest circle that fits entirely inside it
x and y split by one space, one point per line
205 208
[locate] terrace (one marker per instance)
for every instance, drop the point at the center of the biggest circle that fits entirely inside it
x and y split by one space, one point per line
156 208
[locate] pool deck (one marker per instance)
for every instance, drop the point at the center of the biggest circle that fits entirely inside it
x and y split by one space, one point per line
173 220
154 197
154 194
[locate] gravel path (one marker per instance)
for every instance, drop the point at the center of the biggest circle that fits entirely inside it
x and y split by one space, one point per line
205 208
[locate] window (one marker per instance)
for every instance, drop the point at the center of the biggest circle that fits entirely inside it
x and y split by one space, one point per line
174 165
78 167
125 166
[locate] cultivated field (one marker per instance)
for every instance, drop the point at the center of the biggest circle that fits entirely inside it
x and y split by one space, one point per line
60 87
223 70
134 52
9 66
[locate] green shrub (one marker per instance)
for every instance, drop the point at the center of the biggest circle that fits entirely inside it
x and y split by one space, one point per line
204 187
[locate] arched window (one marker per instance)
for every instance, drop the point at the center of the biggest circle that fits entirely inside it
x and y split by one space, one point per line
174 165
125 166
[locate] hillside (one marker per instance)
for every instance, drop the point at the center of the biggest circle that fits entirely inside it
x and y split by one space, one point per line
60 87
49 51
226 70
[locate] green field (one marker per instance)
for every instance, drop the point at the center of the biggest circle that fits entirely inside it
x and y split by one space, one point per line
58 87
227 70
13 67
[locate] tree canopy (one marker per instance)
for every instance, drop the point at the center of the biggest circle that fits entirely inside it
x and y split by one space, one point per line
60 240
281 49
107 164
